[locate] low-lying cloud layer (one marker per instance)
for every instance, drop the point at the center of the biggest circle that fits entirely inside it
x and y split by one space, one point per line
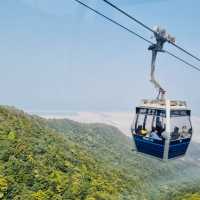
121 120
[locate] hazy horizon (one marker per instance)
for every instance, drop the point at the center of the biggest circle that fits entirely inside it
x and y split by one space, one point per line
121 120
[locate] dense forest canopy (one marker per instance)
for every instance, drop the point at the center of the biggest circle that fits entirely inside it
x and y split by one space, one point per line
61 159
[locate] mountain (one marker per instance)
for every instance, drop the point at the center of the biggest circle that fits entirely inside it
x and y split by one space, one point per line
114 149
38 163
121 120
61 159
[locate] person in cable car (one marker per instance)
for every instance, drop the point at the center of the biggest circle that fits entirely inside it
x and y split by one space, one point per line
175 134
154 134
141 131
184 129
185 132
144 132
159 128
138 130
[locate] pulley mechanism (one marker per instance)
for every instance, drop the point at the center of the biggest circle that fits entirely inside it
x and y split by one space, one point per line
161 37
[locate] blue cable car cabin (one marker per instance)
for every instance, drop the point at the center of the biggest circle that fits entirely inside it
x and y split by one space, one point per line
162 132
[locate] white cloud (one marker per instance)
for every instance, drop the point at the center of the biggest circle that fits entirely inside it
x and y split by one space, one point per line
121 120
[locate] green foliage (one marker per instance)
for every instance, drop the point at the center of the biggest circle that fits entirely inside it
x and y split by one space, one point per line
3 187
40 195
61 159
12 135
113 149
191 197
37 163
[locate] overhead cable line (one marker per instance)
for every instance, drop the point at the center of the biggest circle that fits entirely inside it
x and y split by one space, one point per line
128 15
114 22
180 59
148 28
134 33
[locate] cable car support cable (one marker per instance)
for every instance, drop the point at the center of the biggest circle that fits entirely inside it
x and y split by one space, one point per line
180 59
136 34
114 22
150 29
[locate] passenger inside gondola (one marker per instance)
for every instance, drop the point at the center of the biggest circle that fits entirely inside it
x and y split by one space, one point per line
159 128
182 133
175 134
138 129
141 131
155 134
144 132
180 127
185 133
184 130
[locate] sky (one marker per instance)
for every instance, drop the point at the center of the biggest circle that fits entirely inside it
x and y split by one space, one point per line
57 55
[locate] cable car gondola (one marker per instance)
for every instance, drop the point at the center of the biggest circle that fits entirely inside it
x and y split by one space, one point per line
171 121
162 128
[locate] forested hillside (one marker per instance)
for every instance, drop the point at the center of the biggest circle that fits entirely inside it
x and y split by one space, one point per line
160 180
61 159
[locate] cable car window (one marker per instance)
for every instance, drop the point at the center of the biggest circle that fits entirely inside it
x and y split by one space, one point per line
158 127
150 125
181 127
178 113
150 111
140 124
159 122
